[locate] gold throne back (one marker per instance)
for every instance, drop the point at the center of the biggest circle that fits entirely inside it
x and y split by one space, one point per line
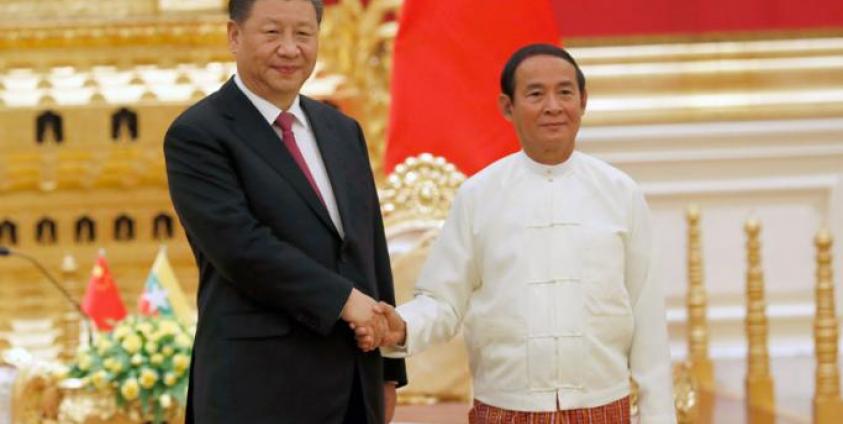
415 202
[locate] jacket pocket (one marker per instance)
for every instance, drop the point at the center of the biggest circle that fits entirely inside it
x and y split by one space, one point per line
255 326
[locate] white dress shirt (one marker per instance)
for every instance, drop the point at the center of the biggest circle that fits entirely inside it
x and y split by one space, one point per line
550 270
306 142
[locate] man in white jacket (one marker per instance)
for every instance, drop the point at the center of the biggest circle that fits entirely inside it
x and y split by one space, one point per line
546 260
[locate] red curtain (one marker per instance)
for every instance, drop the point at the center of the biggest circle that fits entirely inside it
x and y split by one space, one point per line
445 77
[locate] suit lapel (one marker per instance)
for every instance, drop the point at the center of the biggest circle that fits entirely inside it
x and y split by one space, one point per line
335 158
256 133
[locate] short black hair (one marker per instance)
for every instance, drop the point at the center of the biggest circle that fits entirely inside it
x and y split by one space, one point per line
239 10
526 52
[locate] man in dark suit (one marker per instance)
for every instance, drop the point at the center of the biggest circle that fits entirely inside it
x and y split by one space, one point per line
276 195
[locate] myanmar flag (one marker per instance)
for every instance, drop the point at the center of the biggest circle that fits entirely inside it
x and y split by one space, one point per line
102 302
162 294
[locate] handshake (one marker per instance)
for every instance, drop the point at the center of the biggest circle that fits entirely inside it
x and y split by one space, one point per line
374 324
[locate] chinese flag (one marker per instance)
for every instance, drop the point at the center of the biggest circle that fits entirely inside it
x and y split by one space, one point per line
102 300
446 77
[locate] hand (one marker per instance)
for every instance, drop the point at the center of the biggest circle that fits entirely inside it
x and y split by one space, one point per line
370 335
395 333
359 308
361 311
397 328
389 399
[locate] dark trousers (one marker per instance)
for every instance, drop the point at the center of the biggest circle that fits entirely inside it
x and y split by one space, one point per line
356 412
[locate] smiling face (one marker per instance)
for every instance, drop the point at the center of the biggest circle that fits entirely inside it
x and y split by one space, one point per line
275 48
546 108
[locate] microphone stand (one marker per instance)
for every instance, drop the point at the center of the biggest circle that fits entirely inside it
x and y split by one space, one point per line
5 251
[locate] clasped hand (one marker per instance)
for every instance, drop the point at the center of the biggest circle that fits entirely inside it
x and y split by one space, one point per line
374 324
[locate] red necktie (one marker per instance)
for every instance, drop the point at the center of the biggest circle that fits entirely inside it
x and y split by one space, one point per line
285 122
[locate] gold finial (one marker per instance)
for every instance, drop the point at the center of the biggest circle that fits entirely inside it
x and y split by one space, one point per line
823 239
183 78
827 404
752 226
137 79
68 264
758 382
90 82
97 98
696 302
693 213
149 95
47 100
45 83
197 94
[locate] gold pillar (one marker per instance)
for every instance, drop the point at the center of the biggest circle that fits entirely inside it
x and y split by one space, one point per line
758 382
697 300
69 320
828 407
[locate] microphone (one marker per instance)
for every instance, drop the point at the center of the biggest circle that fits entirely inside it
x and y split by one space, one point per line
5 251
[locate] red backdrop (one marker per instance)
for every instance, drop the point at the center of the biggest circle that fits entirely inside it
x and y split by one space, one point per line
449 53
578 18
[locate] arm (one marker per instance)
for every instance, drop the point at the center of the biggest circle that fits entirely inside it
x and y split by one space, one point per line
210 202
649 357
444 287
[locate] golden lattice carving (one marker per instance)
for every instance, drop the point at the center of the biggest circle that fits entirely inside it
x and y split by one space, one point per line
64 9
360 49
697 301
420 188
75 168
55 9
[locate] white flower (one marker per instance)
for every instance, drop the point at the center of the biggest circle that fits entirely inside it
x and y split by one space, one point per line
148 378
132 343
137 359
130 389
165 400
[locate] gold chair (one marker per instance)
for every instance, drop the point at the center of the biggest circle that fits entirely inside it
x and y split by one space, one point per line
415 202
29 392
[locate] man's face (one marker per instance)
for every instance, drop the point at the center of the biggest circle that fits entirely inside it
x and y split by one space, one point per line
546 108
275 47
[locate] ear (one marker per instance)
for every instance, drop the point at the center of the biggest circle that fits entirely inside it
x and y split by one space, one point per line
505 106
233 36
583 100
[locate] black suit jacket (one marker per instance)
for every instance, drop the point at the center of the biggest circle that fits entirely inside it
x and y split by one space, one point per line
274 272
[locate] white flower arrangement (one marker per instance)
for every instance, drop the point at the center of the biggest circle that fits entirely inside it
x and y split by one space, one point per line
144 361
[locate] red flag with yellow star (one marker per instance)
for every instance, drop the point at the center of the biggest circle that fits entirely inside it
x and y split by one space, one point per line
102 302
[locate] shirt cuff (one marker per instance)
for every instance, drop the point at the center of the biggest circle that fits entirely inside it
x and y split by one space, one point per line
397 351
